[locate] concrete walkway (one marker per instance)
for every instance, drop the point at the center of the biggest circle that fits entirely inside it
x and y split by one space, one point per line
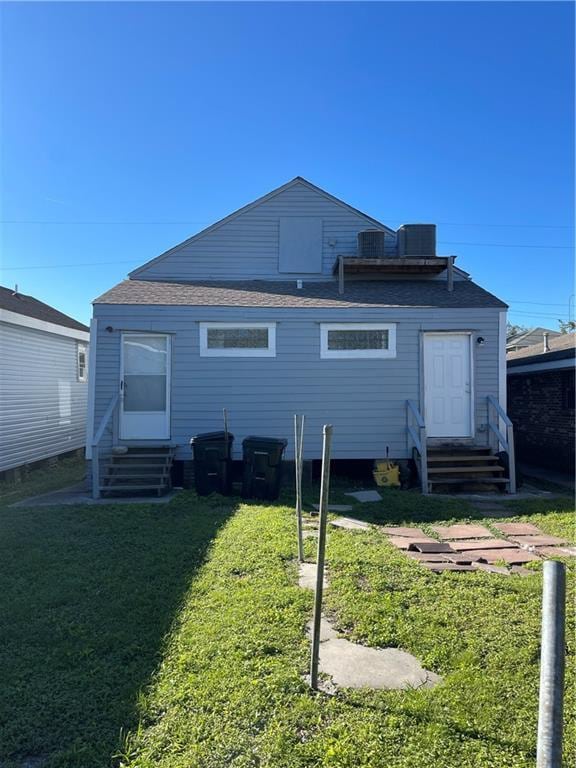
78 494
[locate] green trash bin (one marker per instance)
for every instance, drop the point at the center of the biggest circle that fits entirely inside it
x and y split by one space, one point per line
212 462
262 467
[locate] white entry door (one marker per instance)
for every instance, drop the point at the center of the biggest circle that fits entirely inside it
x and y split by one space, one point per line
145 387
448 385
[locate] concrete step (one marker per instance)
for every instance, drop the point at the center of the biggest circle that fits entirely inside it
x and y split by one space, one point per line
469 481
475 457
131 487
464 470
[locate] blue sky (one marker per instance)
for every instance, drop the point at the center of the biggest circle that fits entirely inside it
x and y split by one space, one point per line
128 127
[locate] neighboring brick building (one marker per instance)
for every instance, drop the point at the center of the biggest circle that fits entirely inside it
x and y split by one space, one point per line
541 403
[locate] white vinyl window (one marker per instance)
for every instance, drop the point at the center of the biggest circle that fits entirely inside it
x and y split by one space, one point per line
238 339
81 362
357 340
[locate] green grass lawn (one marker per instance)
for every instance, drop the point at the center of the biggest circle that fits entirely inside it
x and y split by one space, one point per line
173 636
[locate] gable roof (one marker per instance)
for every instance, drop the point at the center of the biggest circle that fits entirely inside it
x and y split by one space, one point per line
28 306
263 293
296 180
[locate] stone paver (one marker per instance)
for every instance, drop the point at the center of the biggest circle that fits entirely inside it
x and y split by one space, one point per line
430 557
439 567
518 529
557 551
510 556
472 544
365 495
307 576
519 571
537 541
402 542
431 546
462 531
491 568
351 665
335 507
350 524
464 558
398 530
310 533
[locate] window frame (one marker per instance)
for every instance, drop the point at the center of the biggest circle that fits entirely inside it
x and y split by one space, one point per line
81 347
206 351
357 354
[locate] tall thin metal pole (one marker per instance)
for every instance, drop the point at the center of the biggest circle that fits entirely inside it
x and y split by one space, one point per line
298 445
549 747
323 512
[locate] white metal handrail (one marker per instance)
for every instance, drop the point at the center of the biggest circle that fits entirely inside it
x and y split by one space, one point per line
505 442
96 445
418 439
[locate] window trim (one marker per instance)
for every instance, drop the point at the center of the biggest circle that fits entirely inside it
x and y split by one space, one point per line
367 354
206 351
80 346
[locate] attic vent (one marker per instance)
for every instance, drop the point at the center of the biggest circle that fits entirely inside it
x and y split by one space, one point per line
371 244
417 240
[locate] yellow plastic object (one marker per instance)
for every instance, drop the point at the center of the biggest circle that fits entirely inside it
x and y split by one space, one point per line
386 474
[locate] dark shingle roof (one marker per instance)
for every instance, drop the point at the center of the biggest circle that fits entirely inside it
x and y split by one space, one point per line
261 293
561 348
31 307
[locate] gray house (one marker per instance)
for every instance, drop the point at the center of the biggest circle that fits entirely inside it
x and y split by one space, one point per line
43 381
299 303
529 338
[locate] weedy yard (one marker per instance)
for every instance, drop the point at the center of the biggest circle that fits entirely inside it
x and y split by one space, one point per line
173 636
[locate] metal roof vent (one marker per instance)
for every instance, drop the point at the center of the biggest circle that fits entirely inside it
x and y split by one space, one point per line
371 244
417 240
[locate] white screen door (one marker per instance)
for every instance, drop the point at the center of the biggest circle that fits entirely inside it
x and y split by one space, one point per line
145 387
447 385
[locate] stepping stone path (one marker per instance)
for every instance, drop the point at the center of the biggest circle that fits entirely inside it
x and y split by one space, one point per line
350 524
466 531
365 495
517 529
468 546
307 576
403 542
335 507
350 665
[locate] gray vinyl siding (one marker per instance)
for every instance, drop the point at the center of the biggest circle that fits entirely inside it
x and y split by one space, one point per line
363 399
248 246
42 404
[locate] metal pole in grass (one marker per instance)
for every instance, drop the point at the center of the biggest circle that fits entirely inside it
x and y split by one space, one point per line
298 449
323 513
549 747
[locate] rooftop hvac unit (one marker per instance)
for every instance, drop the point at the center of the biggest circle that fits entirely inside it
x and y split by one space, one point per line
417 240
371 244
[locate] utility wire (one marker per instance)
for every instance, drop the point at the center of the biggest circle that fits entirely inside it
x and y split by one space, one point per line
204 222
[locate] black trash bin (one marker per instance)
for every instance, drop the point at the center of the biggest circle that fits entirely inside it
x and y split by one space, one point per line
212 462
262 467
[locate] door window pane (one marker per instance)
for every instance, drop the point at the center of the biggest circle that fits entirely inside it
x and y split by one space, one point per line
145 354
144 393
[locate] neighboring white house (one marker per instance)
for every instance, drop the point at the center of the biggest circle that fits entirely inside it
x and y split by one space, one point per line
43 381
300 303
